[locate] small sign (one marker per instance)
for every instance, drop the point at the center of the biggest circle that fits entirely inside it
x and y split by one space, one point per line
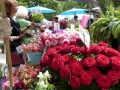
84 36
56 26
19 49
72 26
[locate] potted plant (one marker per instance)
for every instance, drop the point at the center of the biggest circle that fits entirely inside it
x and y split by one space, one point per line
37 18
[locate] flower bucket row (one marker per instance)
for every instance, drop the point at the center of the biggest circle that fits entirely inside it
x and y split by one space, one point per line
95 68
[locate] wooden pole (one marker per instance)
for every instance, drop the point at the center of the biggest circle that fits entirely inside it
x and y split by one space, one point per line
7 45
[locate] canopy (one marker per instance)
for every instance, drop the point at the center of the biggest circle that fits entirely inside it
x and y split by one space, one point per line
74 11
40 9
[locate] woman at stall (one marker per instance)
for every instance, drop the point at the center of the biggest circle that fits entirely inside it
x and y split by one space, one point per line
16 35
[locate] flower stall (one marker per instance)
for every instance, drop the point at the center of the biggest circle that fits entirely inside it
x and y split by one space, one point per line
67 64
72 70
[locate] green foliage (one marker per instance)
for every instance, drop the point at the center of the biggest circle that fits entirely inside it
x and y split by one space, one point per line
37 17
1 45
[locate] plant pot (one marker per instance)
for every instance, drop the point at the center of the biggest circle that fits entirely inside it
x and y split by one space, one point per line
34 57
37 24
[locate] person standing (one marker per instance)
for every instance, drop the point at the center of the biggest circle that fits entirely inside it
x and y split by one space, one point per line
16 35
74 22
55 24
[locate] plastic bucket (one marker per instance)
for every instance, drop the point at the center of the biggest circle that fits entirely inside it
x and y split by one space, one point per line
34 57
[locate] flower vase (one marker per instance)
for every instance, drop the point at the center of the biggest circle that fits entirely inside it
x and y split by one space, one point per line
34 57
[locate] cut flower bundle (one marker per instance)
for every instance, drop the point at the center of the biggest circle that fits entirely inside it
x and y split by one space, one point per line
97 67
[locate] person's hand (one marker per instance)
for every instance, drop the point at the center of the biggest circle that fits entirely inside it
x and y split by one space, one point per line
24 35
32 25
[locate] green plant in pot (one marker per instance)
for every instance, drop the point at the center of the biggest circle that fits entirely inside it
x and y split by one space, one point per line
37 18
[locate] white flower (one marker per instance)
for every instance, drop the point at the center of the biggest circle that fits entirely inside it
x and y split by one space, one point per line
47 74
40 75
41 83
45 85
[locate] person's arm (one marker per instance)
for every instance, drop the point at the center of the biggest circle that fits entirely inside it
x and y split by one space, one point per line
27 27
18 37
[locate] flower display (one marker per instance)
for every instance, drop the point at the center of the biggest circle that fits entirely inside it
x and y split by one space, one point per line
97 67
24 78
33 47
54 39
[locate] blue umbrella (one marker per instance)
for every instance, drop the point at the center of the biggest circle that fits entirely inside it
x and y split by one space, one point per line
74 11
40 9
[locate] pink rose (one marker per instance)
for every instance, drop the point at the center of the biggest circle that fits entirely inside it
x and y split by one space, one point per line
48 43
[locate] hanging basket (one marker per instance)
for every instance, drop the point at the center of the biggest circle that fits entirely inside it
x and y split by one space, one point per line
34 57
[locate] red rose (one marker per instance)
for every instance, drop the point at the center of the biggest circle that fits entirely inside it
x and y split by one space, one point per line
95 72
119 49
115 62
103 50
86 78
112 52
79 41
95 49
73 42
45 61
104 82
75 50
73 62
66 58
102 44
64 49
85 51
57 62
76 70
102 60
113 75
65 72
51 52
75 82
89 62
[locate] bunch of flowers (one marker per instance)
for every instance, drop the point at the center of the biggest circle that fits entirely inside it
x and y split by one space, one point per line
25 78
28 76
63 24
51 39
33 47
95 68
43 83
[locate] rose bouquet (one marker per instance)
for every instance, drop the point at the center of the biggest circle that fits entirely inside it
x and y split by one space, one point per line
81 68
51 39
